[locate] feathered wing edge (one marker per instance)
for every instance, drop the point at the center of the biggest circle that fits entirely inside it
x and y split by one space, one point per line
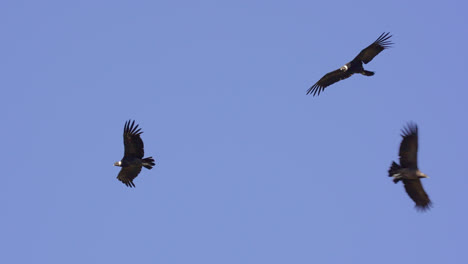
411 129
128 174
416 192
408 151
131 129
383 40
315 89
129 183
327 80
368 54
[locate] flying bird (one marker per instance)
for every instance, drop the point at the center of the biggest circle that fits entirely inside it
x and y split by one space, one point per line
354 66
408 171
132 160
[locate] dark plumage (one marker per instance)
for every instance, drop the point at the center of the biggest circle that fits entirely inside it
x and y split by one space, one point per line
133 160
354 66
408 171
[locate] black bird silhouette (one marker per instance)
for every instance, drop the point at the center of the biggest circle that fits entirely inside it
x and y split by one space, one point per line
132 160
354 66
408 171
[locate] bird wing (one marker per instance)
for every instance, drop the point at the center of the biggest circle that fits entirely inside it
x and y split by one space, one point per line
328 79
132 141
128 174
367 54
409 147
416 192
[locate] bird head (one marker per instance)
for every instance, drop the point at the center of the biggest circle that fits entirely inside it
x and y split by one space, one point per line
118 163
344 68
421 175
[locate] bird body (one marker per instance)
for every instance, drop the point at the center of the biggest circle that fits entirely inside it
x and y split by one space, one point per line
352 67
133 160
398 173
355 66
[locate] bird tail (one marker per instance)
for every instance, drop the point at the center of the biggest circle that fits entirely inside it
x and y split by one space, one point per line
367 73
148 163
394 168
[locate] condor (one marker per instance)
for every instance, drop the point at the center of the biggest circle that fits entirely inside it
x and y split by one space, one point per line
408 171
354 66
133 159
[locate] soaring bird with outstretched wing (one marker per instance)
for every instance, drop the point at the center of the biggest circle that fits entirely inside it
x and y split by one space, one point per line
354 66
408 171
133 160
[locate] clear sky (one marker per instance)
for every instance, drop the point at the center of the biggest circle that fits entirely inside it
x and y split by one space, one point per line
249 169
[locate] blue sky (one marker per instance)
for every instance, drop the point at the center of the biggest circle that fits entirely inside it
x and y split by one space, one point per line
249 169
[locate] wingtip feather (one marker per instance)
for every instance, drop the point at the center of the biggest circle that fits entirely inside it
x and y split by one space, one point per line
411 128
424 207
131 128
315 90
383 40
